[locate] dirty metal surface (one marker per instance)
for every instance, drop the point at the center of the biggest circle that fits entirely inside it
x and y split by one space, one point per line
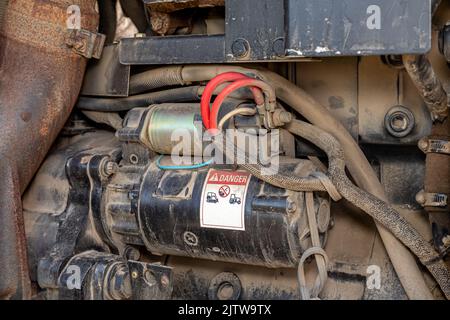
107 77
167 6
277 30
357 27
40 80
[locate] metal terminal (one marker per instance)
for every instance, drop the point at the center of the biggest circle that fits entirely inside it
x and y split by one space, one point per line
399 121
86 43
434 146
438 200
281 117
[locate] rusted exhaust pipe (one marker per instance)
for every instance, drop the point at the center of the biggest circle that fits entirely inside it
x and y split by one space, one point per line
40 79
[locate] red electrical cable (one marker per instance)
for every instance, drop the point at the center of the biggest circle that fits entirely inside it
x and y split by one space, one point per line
249 82
209 91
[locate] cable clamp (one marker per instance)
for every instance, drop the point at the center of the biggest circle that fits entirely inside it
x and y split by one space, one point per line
86 43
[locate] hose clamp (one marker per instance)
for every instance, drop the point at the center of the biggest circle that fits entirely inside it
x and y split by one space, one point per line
436 200
435 146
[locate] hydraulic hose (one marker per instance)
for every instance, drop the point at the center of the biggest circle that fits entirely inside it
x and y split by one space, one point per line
135 10
108 19
404 263
376 208
185 94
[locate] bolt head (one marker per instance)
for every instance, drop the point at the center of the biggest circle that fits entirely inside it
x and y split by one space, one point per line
423 144
420 198
240 48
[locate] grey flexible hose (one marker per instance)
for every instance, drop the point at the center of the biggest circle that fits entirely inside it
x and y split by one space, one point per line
227 147
155 79
376 208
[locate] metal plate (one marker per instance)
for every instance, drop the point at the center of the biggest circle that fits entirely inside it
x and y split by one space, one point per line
107 77
358 27
278 30
172 50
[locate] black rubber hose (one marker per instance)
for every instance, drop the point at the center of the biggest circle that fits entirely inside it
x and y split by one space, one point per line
135 10
108 19
376 208
185 94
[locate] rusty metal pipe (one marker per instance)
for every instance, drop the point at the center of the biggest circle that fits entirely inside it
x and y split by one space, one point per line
40 79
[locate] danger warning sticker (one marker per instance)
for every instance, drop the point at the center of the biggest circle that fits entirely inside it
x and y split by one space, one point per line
223 200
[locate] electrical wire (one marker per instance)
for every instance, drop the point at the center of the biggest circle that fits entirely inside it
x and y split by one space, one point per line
187 167
240 111
268 90
213 84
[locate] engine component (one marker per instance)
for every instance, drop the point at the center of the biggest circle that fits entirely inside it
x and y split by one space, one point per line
224 215
175 128
161 121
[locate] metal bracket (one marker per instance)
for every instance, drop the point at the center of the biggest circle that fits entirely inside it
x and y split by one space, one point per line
86 43
150 281
435 146
437 200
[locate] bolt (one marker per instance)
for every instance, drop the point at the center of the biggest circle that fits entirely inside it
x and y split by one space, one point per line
119 284
108 168
225 291
240 48
134 274
149 277
111 168
291 206
423 145
281 117
420 198
131 253
446 241
279 47
134 159
285 117
165 281
399 121
190 239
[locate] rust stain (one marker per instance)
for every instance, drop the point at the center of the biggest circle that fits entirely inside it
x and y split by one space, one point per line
40 80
